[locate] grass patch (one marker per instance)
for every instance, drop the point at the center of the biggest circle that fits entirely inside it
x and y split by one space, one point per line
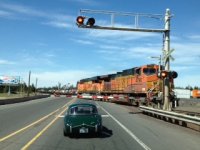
18 95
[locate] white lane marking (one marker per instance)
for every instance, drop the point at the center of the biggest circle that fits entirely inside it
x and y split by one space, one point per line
105 116
126 129
61 116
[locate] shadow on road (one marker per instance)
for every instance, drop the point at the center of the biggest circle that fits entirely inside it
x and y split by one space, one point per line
105 133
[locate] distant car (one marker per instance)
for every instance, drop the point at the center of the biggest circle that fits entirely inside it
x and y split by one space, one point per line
82 118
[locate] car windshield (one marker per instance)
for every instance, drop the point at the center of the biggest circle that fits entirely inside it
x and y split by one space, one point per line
82 110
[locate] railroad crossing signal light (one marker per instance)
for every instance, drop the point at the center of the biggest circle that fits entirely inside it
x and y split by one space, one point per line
80 20
90 22
173 74
164 74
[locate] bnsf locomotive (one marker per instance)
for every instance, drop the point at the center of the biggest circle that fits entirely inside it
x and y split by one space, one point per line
137 85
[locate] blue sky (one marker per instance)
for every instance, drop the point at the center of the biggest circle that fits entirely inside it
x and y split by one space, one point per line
42 36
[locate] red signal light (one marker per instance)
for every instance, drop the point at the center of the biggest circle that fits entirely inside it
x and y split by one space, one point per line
164 74
80 20
170 74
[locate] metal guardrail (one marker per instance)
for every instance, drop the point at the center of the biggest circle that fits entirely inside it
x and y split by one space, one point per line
172 115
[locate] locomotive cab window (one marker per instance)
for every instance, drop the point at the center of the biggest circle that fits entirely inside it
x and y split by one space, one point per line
149 71
138 71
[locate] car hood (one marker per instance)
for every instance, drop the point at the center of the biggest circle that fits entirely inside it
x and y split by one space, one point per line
75 120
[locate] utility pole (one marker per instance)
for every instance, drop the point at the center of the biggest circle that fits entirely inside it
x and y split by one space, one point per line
21 86
8 89
29 79
166 91
36 81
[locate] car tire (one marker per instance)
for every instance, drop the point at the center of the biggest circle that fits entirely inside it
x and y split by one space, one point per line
99 131
65 132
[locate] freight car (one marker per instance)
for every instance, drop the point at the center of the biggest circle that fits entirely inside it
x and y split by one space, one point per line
135 85
196 93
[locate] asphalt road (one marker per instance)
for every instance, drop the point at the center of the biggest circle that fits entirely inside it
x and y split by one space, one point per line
124 128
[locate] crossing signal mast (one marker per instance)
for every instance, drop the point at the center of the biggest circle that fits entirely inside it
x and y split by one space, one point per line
84 21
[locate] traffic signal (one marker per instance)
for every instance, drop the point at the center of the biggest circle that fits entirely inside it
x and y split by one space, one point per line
80 20
90 22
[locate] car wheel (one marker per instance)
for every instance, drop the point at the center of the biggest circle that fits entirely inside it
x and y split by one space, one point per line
99 131
65 132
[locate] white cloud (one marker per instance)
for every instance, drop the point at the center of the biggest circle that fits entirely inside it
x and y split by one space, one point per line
58 24
186 53
175 38
41 44
49 55
188 79
5 13
124 53
120 35
60 21
22 9
85 42
64 77
144 51
194 37
86 2
110 47
57 20
61 17
106 52
6 62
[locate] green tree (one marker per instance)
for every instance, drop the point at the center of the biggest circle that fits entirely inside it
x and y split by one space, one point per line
189 87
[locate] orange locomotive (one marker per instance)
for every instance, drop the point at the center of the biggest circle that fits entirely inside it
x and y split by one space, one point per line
137 85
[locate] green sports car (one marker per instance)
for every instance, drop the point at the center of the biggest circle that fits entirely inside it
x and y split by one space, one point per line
82 118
